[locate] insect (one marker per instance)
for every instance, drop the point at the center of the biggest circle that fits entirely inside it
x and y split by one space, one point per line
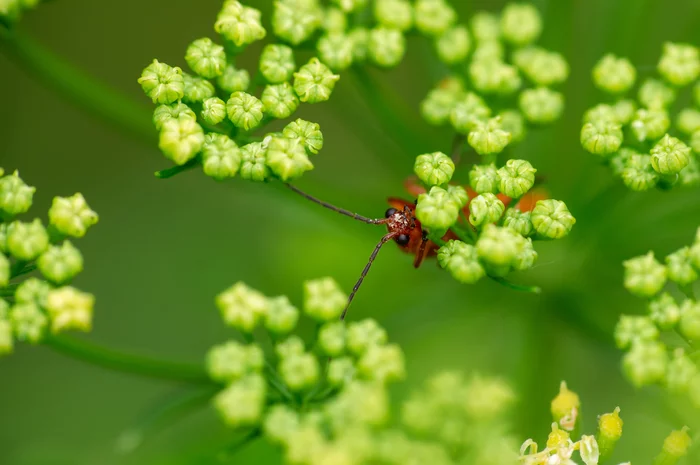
405 229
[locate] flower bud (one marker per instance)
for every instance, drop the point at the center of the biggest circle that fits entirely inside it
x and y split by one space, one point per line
162 83
280 423
490 51
233 80
644 276
279 100
331 338
334 20
485 208
340 371
453 45
490 75
645 363
488 138
654 94
242 307
232 360
213 110
314 82
485 26
15 195
680 373
361 335
277 63
624 110
679 64
206 58
60 264
638 174
394 14
458 194
609 432
664 311
175 112
670 155
244 110
484 179
287 158
497 246
281 316
614 75
564 404
350 5
306 133
434 17
68 308
437 209
299 371
512 121
631 329
526 256
551 219
221 158
680 268
619 161
386 47
468 112
521 23
541 105
695 144
197 89
254 162
601 114
650 124
590 453
26 241
295 22
462 261
688 120
545 68
324 300
293 345
382 364
516 178
33 290
239 24
336 51
438 104
675 447
242 402
519 222
28 322
434 169
690 320
181 140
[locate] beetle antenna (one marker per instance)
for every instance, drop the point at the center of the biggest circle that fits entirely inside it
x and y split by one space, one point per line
342 211
384 240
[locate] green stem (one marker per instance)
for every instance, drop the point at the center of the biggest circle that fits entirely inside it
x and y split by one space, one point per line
128 363
228 453
517 287
76 85
175 170
21 268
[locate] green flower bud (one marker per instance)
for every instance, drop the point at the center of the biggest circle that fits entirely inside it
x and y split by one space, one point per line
335 20
485 208
564 403
497 246
34 291
295 22
254 162
299 372
438 104
631 329
181 140
516 178
688 120
336 51
601 137
26 241
213 110
644 276
690 320
489 137
242 307
552 219
239 24
489 51
340 371
664 311
386 47
206 58
654 94
162 83
670 155
614 75
645 363
468 112
361 335
277 63
680 63
291 346
324 300
281 316
15 195
434 17
602 114
624 111
459 195
279 100
72 216
221 158
462 261
394 14
60 264
484 179
68 308
526 256
485 26
350 5
287 158
545 68
197 89
331 338
434 169
437 209
695 141
609 431
174 112
28 322
308 134
490 75
541 105
618 161
638 174
650 124
520 23
681 371
244 110
314 82
6 341
242 403
280 423
675 447
519 222
382 364
233 80
680 268
453 45
232 361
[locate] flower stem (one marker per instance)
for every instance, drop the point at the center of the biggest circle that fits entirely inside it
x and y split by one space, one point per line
517 287
175 170
128 363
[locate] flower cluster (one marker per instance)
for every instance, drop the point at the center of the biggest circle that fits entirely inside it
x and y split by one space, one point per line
592 449
673 309
12 10
640 140
216 116
489 227
510 77
33 307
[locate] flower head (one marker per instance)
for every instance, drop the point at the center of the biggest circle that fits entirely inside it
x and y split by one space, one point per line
245 110
60 263
614 75
644 276
434 169
15 195
287 158
552 219
680 63
221 157
277 63
670 155
462 262
239 24
69 308
324 300
26 241
206 58
314 82
242 307
162 83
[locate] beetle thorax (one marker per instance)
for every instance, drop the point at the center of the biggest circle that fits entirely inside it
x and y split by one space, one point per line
401 222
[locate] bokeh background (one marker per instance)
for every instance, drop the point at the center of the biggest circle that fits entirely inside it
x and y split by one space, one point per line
164 248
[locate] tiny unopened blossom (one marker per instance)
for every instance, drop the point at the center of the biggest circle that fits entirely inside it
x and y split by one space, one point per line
15 195
386 47
33 290
618 161
437 105
644 275
601 137
334 20
299 371
382 364
512 121
197 89
526 256
437 209
29 323
360 40
695 143
485 26
565 402
331 338
489 137
632 329
293 345
676 446
324 300
690 320
394 14
645 363
232 360
221 157
516 178
609 432
434 169
314 82
545 68
244 110
670 155
625 110
484 178
655 94
213 110
680 268
497 246
239 24
281 316
279 100
242 307
361 335
26 241
206 58
493 76
307 133
177 111
254 162
601 113
680 63
277 63
680 373
650 124
462 261
280 422
541 105
458 194
233 80
287 158
60 263
162 83
453 45
341 371
486 398
490 50
519 222
664 311
336 51
468 112
485 208
521 23
552 219
69 308
638 174
688 120
434 17
614 74
242 402
294 21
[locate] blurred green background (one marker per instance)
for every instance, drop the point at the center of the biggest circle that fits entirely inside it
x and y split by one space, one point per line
164 248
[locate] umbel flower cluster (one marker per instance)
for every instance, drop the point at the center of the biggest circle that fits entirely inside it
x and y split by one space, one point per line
672 308
32 308
641 141
326 401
